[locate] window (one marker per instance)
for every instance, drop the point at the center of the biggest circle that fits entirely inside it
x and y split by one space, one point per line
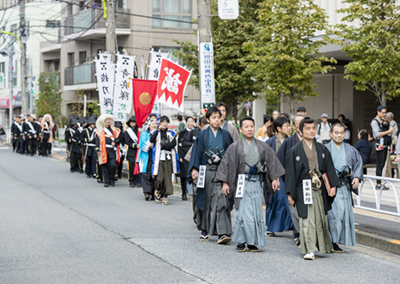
52 24
82 57
71 59
2 67
172 14
57 65
120 4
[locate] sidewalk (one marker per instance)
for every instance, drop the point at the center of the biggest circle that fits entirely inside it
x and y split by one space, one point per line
377 230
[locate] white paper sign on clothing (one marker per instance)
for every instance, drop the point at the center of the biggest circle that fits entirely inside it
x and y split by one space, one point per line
207 75
240 186
201 181
123 100
228 9
105 83
307 191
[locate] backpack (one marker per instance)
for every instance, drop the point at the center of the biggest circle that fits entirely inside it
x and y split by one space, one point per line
319 127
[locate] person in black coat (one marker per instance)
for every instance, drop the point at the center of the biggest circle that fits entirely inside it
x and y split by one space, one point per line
122 149
185 142
88 137
16 129
362 146
132 141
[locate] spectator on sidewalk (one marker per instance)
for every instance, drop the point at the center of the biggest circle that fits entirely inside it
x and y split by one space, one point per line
362 147
181 125
1 133
275 114
390 118
262 131
324 128
302 110
376 125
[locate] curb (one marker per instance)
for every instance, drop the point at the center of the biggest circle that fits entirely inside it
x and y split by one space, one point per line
378 242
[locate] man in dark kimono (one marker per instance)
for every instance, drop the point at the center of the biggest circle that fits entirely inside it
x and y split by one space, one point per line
225 124
306 166
349 169
132 141
249 171
282 153
88 135
277 213
213 214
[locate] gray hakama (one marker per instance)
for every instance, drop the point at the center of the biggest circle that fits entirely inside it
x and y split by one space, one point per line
216 216
341 218
249 217
314 231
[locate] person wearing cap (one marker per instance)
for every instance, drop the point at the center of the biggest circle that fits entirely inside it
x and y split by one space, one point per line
88 137
74 138
122 148
132 141
302 110
164 160
323 129
378 132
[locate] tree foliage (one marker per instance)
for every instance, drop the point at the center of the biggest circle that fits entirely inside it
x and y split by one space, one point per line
49 98
233 79
370 34
284 52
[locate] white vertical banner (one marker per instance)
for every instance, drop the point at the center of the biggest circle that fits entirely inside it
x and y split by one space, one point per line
207 83
155 64
142 66
154 73
228 9
105 83
123 99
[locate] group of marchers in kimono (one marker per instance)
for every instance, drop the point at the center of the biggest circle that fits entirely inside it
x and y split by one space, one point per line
306 186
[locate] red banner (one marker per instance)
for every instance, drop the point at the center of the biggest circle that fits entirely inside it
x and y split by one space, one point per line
172 84
144 95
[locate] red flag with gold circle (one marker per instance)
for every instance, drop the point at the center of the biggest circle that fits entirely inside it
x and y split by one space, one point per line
144 95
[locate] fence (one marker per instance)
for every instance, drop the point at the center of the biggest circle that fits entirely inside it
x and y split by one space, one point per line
378 194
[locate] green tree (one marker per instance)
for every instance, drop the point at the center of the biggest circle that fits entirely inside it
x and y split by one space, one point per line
49 98
233 80
370 34
284 53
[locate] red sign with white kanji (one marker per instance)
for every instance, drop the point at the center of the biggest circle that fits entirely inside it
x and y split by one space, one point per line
172 84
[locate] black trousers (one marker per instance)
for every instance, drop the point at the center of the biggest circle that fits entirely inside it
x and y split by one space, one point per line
109 168
183 185
90 168
380 162
120 166
15 144
75 161
32 146
22 146
45 147
133 178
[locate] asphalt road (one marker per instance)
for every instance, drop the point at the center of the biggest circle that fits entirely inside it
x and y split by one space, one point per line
58 227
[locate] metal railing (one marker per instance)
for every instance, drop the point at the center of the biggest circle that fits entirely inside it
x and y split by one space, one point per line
82 74
378 194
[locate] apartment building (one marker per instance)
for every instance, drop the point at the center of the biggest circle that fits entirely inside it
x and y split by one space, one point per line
140 27
42 23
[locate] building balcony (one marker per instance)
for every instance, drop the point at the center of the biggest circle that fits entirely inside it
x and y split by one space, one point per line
92 24
80 77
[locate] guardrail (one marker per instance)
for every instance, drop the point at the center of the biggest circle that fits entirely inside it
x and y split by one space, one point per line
385 181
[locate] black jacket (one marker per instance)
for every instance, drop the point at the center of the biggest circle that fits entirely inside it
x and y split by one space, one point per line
132 145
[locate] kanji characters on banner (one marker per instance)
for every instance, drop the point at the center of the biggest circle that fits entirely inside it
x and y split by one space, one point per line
105 83
144 94
155 64
172 84
123 91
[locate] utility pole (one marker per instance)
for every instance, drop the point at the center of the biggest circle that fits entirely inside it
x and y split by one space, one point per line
24 71
206 56
110 29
